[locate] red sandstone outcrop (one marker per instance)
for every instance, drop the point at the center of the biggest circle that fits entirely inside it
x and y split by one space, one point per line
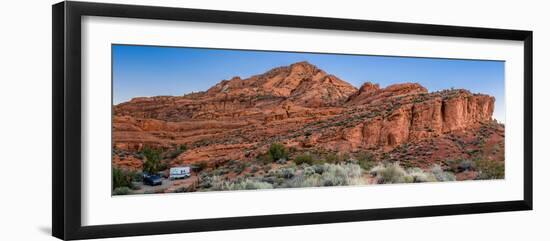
127 162
300 84
430 116
299 105
370 93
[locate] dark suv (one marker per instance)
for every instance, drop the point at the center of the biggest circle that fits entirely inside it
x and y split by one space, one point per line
152 180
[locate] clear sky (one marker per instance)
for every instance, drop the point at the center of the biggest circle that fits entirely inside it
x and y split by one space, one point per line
150 71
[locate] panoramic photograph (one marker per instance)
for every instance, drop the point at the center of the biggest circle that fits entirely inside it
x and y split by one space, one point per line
200 119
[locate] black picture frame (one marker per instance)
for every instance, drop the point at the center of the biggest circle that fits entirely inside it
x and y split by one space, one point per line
66 157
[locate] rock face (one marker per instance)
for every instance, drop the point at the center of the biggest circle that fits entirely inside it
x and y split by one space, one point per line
370 93
300 84
429 117
298 105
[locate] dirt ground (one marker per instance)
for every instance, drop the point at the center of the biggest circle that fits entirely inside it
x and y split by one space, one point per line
167 185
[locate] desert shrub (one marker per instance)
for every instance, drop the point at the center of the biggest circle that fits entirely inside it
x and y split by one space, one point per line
248 184
239 167
205 180
285 172
460 165
152 160
221 171
122 178
365 160
318 168
312 181
137 177
332 175
199 166
332 158
278 151
442 176
488 169
163 166
418 175
302 181
122 191
308 171
175 153
271 179
281 161
466 165
391 173
303 158
341 174
265 159
182 147
220 184
345 157
266 168
394 173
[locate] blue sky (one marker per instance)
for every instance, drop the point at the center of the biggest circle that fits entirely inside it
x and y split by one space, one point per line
150 70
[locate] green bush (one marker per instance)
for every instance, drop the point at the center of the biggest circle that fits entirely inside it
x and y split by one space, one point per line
331 175
441 175
418 175
122 191
365 160
488 169
220 184
285 172
249 184
182 147
265 159
278 151
220 171
308 171
122 178
137 177
152 160
391 173
342 175
303 158
332 158
239 167
394 173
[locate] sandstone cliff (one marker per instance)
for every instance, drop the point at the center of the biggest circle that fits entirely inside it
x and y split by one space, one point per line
300 106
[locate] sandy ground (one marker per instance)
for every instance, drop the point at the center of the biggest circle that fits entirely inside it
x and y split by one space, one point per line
167 185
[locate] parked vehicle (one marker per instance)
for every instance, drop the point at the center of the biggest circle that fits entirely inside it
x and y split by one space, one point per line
152 180
180 172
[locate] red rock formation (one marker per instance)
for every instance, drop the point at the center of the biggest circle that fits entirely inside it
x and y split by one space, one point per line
371 93
425 117
300 84
128 162
299 105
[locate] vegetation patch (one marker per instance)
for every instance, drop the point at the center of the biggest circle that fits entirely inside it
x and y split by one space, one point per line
489 169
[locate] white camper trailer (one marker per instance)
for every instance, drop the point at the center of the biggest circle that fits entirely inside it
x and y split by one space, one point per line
180 172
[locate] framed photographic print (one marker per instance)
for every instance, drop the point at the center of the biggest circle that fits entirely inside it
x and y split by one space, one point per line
170 120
